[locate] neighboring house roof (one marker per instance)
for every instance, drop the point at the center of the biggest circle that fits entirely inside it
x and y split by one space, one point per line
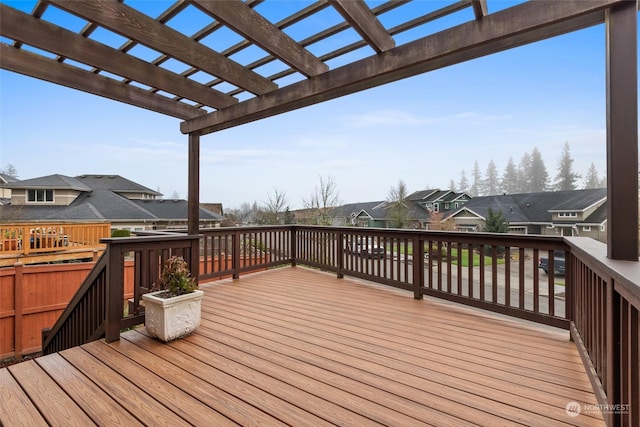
538 207
115 183
213 207
172 209
579 200
372 209
4 178
55 181
104 202
599 216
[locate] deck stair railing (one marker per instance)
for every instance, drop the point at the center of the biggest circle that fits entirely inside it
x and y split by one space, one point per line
101 308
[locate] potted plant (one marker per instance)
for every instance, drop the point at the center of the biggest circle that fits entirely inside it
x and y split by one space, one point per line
172 308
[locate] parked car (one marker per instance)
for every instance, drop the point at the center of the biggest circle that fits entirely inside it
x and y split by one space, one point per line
558 263
365 246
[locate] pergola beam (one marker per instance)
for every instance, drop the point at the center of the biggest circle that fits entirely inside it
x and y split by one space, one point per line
40 67
479 8
518 25
242 19
362 19
130 23
35 32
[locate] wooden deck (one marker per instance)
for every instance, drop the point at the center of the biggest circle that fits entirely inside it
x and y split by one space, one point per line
294 346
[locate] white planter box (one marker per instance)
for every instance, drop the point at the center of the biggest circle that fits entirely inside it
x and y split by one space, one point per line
171 318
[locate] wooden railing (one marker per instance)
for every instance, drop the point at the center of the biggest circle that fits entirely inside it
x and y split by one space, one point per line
233 251
84 318
596 299
99 310
606 328
19 240
496 272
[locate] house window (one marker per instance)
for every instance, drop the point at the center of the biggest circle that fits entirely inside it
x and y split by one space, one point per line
40 196
602 228
586 228
567 214
456 206
436 207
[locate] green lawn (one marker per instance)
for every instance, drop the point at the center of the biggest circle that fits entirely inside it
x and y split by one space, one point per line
454 253
464 258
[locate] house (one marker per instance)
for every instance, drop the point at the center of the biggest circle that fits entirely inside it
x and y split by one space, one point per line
5 193
94 198
565 213
420 206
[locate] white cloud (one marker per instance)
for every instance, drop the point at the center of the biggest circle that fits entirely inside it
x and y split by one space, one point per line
388 118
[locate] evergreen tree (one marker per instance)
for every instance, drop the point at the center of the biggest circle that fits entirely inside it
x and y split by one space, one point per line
566 178
524 174
539 175
496 222
509 182
592 180
477 180
491 182
463 185
289 217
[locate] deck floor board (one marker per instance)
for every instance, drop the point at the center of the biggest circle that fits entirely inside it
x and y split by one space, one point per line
294 346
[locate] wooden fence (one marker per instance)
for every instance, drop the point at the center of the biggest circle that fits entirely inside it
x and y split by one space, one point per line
32 297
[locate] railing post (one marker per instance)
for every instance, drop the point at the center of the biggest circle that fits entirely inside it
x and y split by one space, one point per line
612 343
114 293
340 253
195 259
569 284
294 250
235 255
418 266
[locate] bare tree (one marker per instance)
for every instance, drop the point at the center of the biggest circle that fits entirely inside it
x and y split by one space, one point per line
437 222
245 214
274 207
10 170
324 198
398 212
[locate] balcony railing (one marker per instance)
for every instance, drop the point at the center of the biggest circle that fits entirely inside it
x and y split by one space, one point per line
23 240
597 299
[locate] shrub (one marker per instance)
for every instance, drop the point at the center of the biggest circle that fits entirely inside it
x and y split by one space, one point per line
120 233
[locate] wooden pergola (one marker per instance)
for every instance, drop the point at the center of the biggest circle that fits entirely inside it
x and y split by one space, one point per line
240 93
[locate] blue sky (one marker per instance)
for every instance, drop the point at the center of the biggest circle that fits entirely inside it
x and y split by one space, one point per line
423 130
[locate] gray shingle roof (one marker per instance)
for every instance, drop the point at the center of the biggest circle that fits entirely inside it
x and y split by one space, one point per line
536 207
114 183
100 200
55 181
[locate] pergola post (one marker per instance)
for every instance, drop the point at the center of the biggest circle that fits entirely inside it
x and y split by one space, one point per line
193 197
622 131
